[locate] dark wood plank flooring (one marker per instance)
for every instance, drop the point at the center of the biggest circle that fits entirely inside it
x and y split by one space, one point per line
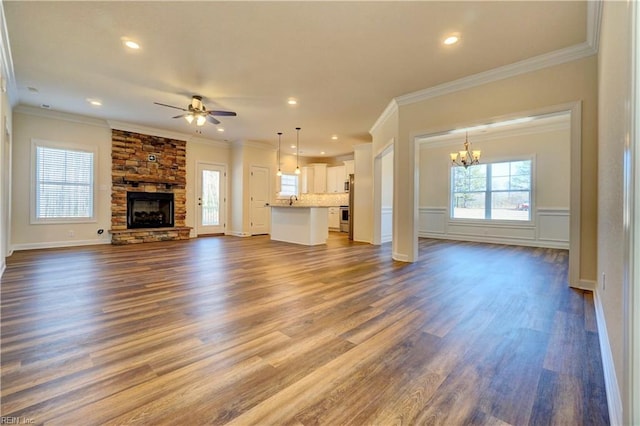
248 331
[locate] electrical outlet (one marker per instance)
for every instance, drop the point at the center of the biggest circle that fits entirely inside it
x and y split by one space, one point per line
604 281
71 234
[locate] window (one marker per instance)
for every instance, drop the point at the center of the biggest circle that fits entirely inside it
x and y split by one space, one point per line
63 183
288 185
495 191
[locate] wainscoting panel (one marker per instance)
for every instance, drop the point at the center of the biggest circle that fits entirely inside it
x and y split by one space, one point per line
553 225
432 220
550 228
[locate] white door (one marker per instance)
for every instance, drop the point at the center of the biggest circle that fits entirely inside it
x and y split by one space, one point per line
211 199
260 210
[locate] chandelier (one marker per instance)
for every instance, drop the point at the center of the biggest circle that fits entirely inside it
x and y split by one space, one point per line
467 157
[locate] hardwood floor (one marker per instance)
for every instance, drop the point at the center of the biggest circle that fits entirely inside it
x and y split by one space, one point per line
248 331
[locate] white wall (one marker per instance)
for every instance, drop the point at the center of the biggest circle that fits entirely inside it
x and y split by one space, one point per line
363 194
547 145
614 126
30 123
245 154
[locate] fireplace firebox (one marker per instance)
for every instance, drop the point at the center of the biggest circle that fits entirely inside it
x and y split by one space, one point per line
149 210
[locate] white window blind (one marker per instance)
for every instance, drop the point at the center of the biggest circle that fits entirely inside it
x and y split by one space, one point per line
64 183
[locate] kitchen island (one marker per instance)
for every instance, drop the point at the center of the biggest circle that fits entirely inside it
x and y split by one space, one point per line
297 224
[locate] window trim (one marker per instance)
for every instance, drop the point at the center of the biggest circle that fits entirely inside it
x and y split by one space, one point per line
498 222
35 143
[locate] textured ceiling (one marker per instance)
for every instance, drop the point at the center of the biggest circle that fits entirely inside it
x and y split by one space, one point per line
343 61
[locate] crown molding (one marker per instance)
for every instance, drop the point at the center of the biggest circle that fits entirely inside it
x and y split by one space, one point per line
8 73
594 19
254 144
209 142
391 108
59 115
536 63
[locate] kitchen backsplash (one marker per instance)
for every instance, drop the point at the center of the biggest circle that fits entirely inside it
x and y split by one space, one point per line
329 200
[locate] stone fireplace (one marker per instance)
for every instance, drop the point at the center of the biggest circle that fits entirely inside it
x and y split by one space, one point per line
148 198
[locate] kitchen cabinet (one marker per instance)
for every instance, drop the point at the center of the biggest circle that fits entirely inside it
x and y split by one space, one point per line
335 179
334 218
319 178
306 180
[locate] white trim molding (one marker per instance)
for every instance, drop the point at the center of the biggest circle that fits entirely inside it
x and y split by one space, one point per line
434 222
8 74
614 399
59 115
59 244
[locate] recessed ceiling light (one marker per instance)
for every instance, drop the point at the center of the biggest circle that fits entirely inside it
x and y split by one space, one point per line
334 137
130 44
321 152
452 39
293 146
94 102
292 101
220 129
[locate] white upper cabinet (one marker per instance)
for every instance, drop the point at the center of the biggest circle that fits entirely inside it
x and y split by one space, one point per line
335 179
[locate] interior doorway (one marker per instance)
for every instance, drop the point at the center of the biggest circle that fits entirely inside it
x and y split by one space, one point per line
428 216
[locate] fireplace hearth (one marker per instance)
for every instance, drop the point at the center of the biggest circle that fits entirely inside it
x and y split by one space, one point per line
150 210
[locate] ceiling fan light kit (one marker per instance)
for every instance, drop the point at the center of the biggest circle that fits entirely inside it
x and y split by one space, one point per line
198 112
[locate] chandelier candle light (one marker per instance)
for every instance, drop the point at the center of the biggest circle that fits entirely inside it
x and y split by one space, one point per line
467 157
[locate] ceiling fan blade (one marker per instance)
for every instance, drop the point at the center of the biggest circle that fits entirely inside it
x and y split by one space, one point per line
222 113
170 106
179 116
212 120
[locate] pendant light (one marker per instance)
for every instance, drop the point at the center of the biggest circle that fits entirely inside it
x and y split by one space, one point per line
297 150
279 139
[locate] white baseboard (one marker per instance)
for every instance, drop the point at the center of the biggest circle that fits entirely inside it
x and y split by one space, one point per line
400 257
238 234
585 285
494 240
614 401
58 244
